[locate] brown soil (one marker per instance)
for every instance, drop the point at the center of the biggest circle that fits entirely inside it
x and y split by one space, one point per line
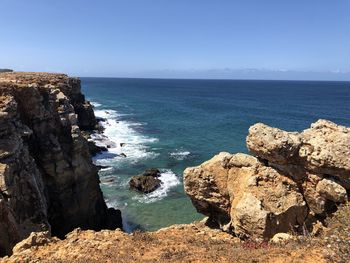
193 243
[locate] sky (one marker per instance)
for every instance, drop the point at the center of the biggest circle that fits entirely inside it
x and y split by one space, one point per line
262 39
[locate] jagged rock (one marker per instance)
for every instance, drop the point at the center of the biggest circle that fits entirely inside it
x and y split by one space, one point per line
244 196
318 152
294 177
47 179
322 149
331 190
9 232
34 240
151 172
95 149
275 145
146 182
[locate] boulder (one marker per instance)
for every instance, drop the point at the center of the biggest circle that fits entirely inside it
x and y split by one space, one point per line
146 182
331 190
151 172
244 196
34 240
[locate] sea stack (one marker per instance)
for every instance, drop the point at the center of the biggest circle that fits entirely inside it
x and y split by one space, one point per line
47 179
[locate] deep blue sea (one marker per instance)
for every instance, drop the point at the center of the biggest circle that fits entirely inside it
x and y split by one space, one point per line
174 124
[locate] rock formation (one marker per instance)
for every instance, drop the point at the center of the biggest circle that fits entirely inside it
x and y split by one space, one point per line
47 179
146 182
295 179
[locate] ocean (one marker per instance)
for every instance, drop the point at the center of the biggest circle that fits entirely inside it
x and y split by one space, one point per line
174 124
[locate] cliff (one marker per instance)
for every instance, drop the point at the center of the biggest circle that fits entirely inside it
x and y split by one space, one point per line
47 179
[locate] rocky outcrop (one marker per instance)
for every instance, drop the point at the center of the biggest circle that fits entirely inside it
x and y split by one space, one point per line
317 159
47 179
295 179
146 182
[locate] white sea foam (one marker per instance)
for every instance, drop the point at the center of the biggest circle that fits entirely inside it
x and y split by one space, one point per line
127 143
106 169
169 181
95 104
180 155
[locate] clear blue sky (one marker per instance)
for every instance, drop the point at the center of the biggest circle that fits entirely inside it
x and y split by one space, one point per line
178 38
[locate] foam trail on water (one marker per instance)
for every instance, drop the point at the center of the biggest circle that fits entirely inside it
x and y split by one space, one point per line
95 104
180 155
122 139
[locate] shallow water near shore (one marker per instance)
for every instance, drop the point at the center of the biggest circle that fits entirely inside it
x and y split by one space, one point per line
174 124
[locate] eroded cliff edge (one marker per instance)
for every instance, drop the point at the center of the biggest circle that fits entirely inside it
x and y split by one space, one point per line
47 179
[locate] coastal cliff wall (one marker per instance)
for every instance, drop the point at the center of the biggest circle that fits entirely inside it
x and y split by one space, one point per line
47 179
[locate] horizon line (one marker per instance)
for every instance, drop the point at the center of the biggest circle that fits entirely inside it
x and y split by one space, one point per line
239 79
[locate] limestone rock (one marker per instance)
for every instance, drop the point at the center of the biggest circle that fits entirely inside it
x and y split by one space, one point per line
294 177
272 144
34 240
244 196
322 149
331 190
47 179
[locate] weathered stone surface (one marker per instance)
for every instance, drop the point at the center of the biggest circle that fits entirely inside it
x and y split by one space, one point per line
151 172
47 179
294 177
34 240
322 149
331 190
146 182
244 196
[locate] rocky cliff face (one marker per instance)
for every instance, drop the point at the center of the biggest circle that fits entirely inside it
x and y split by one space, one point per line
294 180
47 179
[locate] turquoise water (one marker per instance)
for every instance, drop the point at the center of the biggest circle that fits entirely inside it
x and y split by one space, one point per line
173 124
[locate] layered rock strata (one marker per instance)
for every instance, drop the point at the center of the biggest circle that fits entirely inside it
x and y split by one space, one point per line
47 179
295 179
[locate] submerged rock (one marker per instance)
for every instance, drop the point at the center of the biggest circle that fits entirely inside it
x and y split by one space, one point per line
294 177
146 182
